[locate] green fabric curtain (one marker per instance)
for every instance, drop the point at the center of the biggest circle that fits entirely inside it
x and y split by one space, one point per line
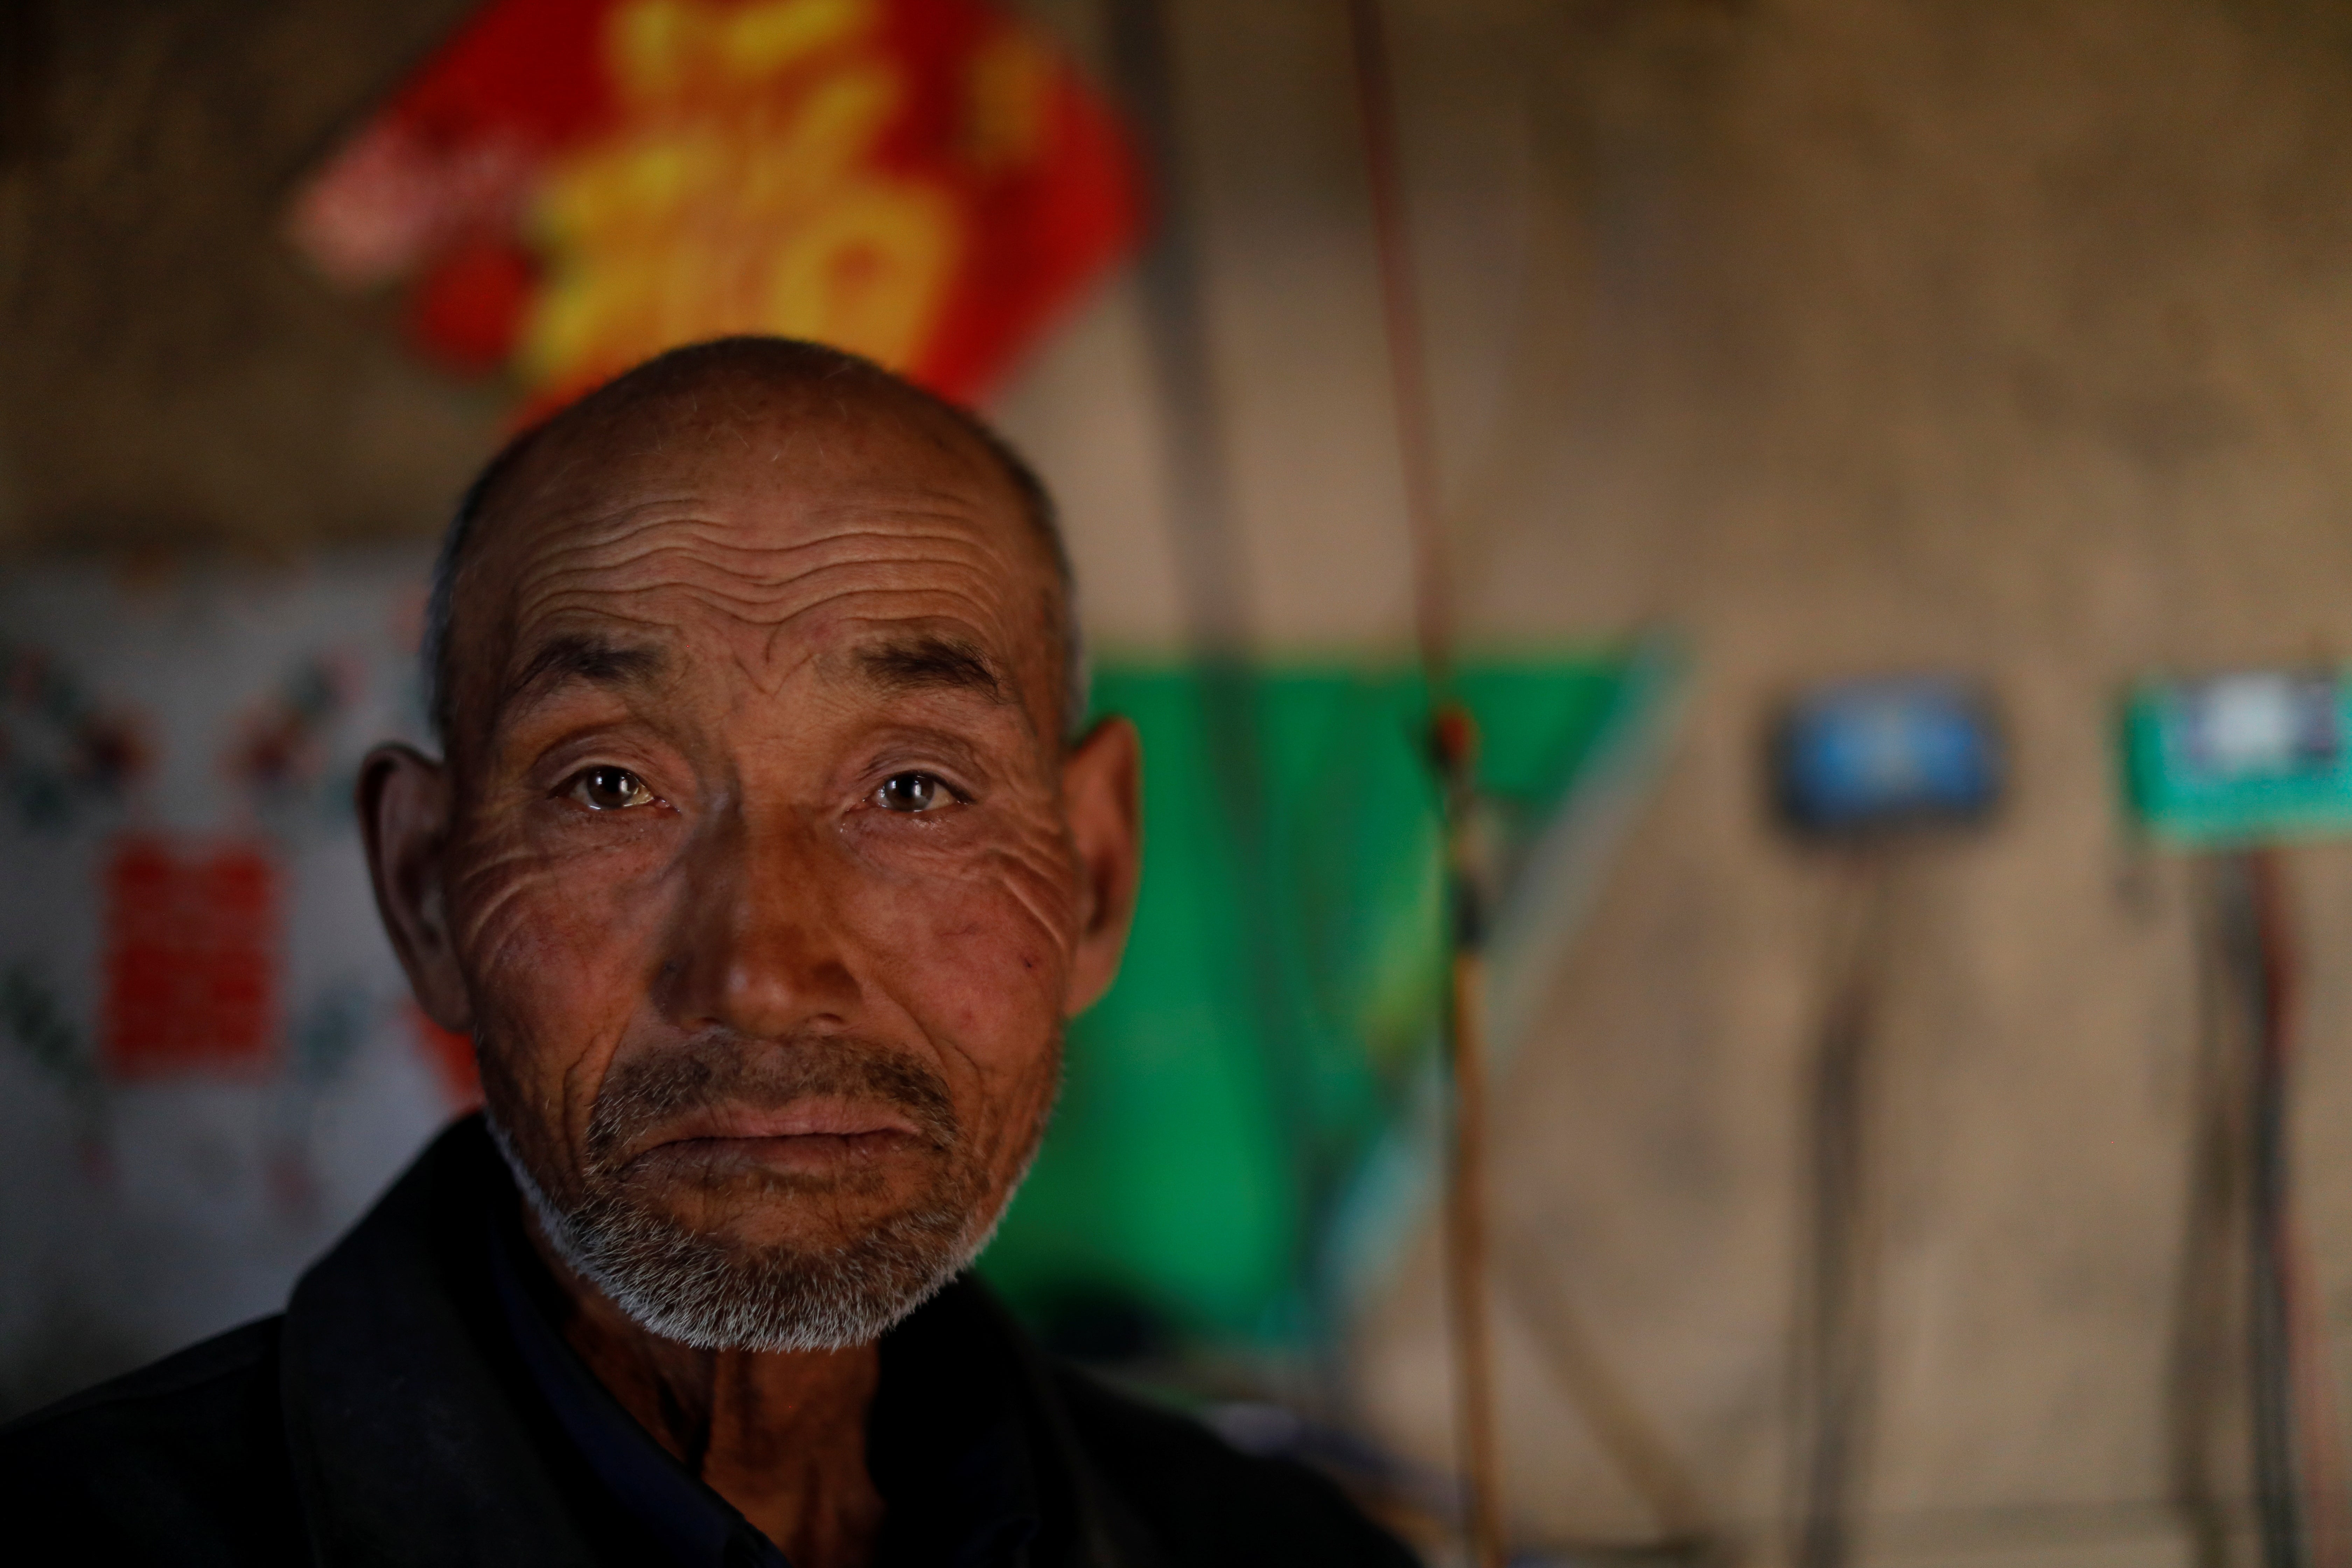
1281 991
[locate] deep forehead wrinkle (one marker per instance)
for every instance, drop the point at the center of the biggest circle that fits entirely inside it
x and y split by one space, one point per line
754 579
617 536
937 565
826 526
586 658
777 603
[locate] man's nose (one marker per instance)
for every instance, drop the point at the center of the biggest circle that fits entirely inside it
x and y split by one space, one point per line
759 949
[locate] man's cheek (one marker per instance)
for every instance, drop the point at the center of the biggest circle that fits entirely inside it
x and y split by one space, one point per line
529 928
555 958
972 962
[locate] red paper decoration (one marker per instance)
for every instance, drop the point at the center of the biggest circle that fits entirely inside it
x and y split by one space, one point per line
191 968
570 186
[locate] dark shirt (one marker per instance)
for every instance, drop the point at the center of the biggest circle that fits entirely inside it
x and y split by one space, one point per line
397 1414
945 1444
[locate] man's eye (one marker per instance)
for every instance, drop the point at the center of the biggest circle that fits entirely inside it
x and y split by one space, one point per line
912 793
609 789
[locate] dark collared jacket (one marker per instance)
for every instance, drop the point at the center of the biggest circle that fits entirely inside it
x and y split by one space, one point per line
387 1417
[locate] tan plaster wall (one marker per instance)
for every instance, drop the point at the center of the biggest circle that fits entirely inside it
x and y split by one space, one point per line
1839 336
2011 338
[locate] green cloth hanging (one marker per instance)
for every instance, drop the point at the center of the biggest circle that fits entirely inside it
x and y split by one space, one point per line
1280 993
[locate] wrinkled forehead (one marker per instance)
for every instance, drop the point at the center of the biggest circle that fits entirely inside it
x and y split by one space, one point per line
777 533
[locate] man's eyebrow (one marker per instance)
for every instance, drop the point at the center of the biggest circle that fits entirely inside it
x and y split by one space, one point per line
931 662
582 656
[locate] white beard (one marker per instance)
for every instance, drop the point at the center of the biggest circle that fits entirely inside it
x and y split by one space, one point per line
716 1295
712 1293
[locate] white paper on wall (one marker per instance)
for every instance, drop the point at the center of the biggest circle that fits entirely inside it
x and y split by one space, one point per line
209 1061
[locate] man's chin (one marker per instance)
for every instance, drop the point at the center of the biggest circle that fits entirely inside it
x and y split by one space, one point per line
763 1209
737 1245
788 1274
748 1233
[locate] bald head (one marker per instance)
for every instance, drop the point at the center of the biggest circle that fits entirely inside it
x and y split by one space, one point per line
753 403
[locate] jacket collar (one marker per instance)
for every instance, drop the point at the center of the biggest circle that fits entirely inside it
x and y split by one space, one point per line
418 1434
412 1436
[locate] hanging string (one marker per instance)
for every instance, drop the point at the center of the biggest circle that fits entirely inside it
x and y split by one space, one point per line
1452 750
2299 1478
1400 320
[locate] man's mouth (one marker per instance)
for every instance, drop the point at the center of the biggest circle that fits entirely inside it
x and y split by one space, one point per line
819 1115
812 1133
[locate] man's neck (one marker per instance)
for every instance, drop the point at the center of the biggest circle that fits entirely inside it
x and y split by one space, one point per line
780 1435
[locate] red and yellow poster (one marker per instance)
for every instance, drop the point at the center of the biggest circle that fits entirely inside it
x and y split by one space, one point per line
571 186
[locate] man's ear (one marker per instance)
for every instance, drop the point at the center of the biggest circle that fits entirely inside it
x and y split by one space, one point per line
404 802
1102 778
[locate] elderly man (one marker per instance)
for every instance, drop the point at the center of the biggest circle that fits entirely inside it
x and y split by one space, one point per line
764 864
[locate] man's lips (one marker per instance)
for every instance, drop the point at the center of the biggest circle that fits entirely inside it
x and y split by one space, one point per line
817 1117
815 1126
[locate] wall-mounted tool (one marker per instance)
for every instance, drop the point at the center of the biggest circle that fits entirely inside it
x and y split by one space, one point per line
1863 769
2235 767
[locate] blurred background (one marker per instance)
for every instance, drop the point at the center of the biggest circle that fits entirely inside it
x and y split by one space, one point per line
1972 1191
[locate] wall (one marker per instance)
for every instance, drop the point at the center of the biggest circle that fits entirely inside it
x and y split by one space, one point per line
1837 336
1997 337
